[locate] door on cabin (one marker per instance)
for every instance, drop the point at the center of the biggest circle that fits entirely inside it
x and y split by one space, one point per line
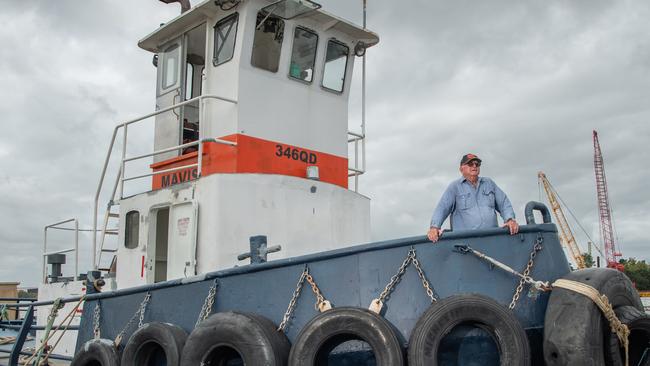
172 249
180 74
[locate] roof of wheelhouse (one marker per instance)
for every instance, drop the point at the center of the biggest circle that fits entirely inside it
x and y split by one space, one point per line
190 18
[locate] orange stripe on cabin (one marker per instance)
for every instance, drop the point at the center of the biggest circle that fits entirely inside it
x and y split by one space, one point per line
253 155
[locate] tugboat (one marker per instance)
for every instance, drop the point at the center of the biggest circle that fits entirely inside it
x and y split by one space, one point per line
249 247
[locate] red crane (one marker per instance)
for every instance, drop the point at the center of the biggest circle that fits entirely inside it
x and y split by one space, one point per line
606 229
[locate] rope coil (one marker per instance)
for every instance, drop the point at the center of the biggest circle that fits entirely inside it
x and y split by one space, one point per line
621 330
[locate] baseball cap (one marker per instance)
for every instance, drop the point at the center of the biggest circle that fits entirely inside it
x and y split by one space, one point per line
469 157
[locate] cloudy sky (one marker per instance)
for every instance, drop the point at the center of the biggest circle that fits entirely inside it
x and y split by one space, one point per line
520 83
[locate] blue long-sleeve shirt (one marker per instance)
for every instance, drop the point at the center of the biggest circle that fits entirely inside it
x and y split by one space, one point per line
472 207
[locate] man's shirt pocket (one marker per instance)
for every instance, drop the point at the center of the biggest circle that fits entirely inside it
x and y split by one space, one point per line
487 197
464 201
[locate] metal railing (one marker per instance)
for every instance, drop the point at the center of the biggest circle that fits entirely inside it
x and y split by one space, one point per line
124 159
74 249
357 169
25 326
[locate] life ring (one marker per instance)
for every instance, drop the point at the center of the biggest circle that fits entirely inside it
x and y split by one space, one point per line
161 343
574 327
97 352
472 310
638 322
230 336
336 326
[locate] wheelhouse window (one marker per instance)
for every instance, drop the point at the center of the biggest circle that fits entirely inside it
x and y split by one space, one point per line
225 33
336 62
267 43
132 229
303 54
170 63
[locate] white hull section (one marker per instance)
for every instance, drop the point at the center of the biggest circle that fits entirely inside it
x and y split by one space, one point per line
51 291
180 238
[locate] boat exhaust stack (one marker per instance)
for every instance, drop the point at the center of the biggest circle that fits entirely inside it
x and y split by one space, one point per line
185 4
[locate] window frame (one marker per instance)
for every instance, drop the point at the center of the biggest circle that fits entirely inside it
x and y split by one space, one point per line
221 21
313 66
127 230
345 70
163 65
284 27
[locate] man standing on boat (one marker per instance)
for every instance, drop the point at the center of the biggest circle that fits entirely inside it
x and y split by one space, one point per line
472 202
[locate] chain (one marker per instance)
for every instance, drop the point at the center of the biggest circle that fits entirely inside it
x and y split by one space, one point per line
396 278
294 299
321 304
96 315
138 314
206 309
526 273
427 287
377 304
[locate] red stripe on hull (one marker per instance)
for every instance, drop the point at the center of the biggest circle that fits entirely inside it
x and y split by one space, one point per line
253 155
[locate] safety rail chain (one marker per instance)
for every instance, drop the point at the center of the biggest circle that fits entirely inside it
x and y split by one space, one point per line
119 182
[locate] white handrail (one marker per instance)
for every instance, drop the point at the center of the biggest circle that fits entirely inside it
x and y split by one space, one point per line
75 248
120 180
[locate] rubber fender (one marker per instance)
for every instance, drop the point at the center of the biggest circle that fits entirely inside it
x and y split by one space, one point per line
155 343
468 309
97 352
229 336
574 328
336 326
638 322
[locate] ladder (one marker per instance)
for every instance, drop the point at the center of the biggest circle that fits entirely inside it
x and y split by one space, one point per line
108 217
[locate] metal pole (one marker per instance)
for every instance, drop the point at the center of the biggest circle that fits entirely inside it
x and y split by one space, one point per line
363 101
76 250
44 258
199 159
123 163
99 189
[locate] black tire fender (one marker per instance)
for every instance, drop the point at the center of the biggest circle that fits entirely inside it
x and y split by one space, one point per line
153 341
336 326
575 331
638 322
97 352
468 309
226 335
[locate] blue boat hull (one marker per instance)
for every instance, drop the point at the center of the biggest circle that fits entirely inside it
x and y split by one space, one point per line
355 276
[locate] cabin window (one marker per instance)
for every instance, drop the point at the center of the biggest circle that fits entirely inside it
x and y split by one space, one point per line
132 229
336 62
303 54
225 32
171 58
267 43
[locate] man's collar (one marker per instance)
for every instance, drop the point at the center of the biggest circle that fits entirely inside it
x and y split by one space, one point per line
478 181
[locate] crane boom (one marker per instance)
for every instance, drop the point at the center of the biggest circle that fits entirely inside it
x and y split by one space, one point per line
568 239
606 230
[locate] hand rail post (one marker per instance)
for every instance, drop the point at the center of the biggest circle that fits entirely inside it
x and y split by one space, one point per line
44 258
76 250
97 192
122 163
199 169
22 336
